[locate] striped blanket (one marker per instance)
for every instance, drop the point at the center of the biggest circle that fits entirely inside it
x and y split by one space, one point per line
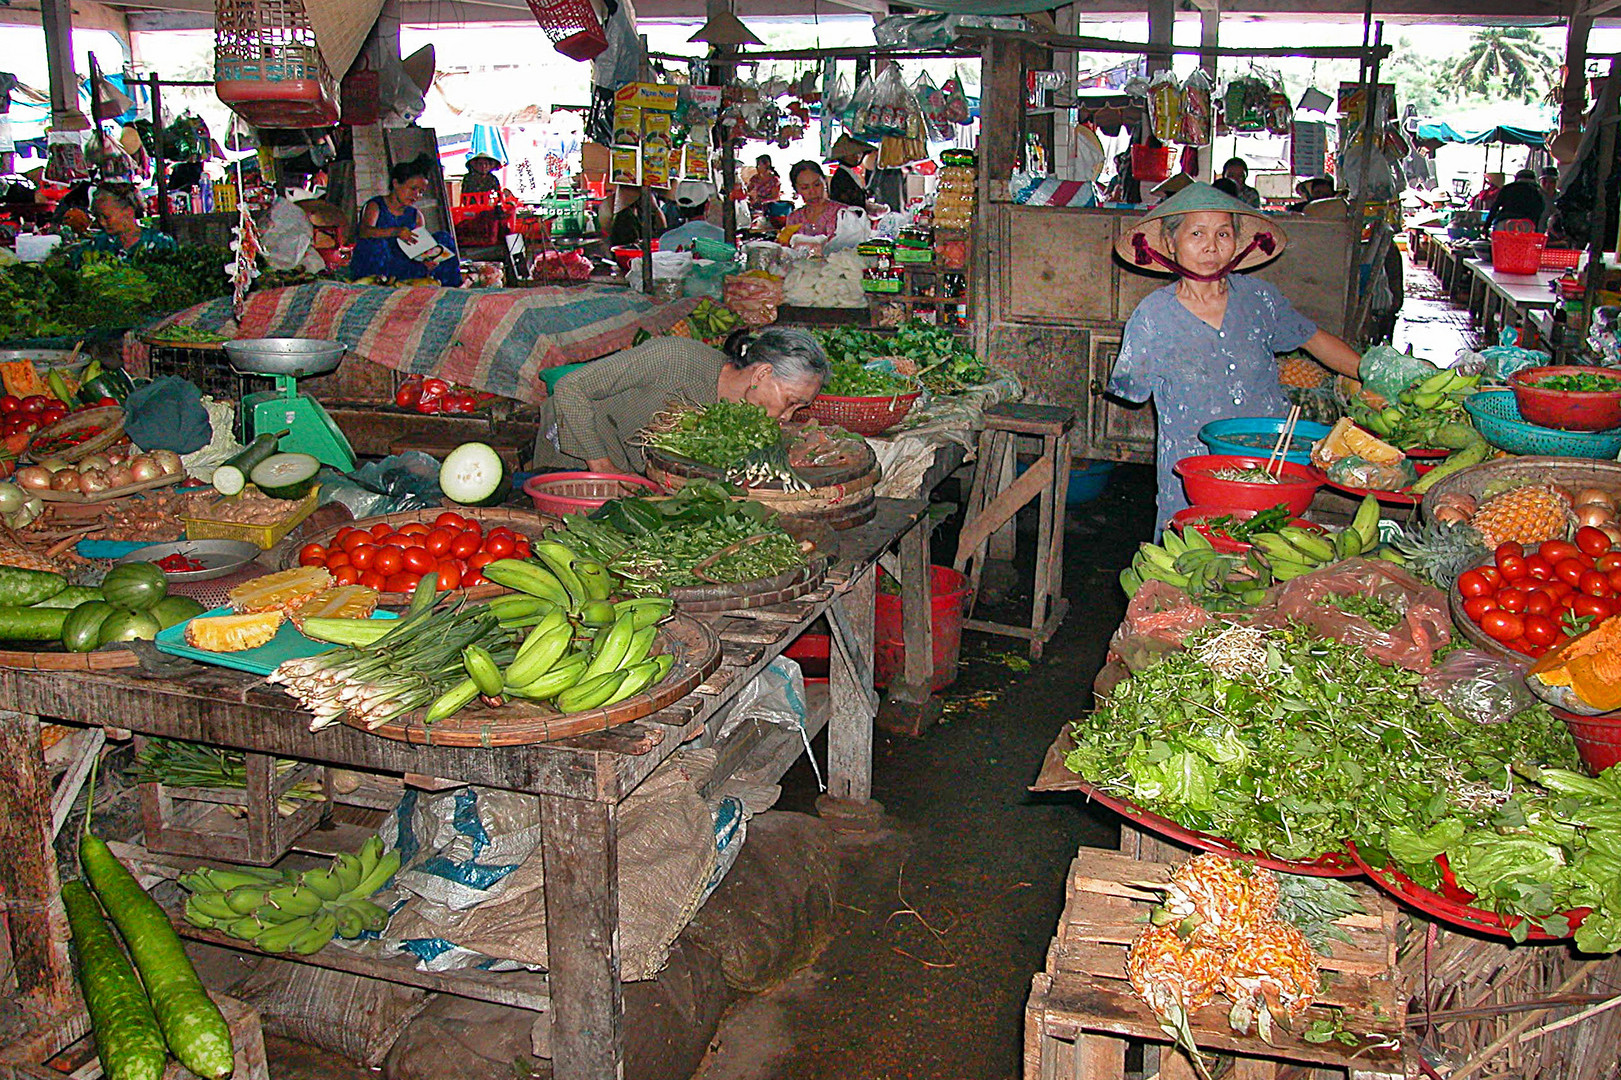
496 340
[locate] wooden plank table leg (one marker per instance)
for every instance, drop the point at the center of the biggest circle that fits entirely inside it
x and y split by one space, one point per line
28 879
580 849
1100 1057
849 726
909 706
1004 542
1174 1065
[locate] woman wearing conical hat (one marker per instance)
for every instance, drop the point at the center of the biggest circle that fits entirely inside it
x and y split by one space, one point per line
1204 347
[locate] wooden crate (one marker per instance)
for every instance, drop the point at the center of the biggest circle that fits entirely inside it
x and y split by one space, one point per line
64 1047
1082 1013
200 821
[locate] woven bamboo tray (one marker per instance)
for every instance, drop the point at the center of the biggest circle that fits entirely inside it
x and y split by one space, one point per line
761 592
110 418
111 493
840 496
37 660
527 522
1567 472
521 723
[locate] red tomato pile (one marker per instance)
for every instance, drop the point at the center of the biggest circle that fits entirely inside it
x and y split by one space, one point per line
391 559
34 412
1533 600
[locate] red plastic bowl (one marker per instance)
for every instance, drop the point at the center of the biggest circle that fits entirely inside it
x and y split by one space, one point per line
1453 903
1194 517
1567 410
1297 484
623 255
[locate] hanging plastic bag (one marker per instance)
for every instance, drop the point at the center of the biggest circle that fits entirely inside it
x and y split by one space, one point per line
1194 129
881 105
1279 116
1165 106
933 102
956 100
1246 103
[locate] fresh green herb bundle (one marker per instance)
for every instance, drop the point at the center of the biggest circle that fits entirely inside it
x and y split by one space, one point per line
1585 382
852 379
945 364
719 435
62 296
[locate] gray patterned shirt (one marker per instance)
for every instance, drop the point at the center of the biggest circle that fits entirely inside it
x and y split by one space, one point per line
1196 373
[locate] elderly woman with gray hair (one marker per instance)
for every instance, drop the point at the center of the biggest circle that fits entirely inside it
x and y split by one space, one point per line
1204 348
592 416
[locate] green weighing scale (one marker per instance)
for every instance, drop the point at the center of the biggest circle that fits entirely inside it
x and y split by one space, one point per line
309 429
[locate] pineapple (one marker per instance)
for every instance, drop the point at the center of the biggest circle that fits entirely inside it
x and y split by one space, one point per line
233 633
1271 974
282 591
1529 514
1216 899
344 602
1348 440
1441 551
1174 978
1301 371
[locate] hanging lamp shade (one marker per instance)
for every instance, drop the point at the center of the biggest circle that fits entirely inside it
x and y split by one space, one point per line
725 28
419 67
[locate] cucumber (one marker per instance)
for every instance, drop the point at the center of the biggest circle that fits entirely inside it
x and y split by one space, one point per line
24 587
474 475
285 476
71 597
31 623
190 1021
231 477
128 1040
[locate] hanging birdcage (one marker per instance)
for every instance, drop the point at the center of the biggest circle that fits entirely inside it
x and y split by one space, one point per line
267 66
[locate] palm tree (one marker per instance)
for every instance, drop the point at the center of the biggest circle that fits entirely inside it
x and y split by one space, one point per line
1502 60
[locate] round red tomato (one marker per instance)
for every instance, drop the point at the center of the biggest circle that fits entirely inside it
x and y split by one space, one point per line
337 559
10 403
1537 652
389 561
418 561
1477 606
1615 581
401 582
1591 541
1472 583
35 403
500 547
1570 570
1509 547
450 576
1511 599
312 555
362 556
1595 606
346 575
472 578
1541 630
466 545
502 530
1502 625
372 580
438 541
1512 567
1556 551
475 528
1595 584
342 534
415 528
1539 603
448 520
1538 567
1608 561
382 531
355 539
479 560
521 550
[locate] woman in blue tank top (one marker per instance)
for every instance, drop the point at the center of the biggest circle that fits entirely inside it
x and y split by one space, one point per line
387 219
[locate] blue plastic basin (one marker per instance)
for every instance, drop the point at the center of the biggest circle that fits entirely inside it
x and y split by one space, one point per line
1087 479
1260 435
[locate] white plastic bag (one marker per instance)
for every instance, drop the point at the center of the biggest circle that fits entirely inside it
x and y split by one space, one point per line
287 238
853 228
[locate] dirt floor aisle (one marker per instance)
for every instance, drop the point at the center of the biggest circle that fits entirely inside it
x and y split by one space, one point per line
947 913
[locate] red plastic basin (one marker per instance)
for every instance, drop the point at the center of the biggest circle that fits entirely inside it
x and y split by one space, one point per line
1194 517
1297 484
1567 410
1598 738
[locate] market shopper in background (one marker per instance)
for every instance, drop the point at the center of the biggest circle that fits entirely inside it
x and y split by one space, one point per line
592 417
625 227
846 185
387 220
1238 171
1204 348
1483 199
765 186
481 178
1520 200
820 214
117 209
1548 182
693 198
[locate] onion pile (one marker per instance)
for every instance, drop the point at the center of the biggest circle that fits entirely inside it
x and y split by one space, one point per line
1597 507
100 473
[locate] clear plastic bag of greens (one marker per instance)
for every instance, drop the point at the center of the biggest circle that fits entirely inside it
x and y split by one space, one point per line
1387 372
1505 358
1478 686
708 278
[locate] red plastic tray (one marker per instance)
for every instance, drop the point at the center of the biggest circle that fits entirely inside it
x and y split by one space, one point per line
1331 864
1452 903
1401 498
1194 517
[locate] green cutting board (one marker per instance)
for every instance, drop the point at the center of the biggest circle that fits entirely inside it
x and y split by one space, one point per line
288 644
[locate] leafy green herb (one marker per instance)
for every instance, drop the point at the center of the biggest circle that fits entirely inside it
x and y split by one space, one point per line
720 435
1377 613
1585 383
945 363
852 379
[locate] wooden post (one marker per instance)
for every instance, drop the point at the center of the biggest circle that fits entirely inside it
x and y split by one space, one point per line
160 168
849 726
1574 99
56 19
36 921
580 854
720 73
1161 24
1209 40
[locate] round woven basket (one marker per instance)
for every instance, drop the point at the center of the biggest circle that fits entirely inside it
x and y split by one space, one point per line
862 415
1512 472
562 493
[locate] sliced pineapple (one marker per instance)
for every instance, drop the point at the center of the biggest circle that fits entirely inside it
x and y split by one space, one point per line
233 633
1348 440
344 602
283 591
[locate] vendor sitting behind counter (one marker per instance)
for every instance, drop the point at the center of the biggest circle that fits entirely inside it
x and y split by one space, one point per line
388 219
117 209
592 415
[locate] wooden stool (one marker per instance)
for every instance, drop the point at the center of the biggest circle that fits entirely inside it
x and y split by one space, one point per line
998 495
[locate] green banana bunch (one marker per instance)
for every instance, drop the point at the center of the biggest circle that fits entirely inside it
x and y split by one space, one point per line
282 912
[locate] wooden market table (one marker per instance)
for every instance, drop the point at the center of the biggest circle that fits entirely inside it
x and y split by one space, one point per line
579 782
1501 294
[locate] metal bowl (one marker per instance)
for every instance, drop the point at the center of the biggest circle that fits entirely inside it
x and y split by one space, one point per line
219 557
298 357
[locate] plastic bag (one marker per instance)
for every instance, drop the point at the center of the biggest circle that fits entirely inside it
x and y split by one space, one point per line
1425 625
1505 358
287 239
754 297
1246 103
667 266
1386 372
1194 128
1356 472
408 481
956 101
881 106
708 278
933 101
1165 106
1478 686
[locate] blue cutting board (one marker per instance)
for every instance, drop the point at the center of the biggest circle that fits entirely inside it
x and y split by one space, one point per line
288 644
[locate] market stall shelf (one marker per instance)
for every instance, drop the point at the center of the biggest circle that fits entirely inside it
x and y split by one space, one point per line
693 645
1082 1012
1452 905
761 592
